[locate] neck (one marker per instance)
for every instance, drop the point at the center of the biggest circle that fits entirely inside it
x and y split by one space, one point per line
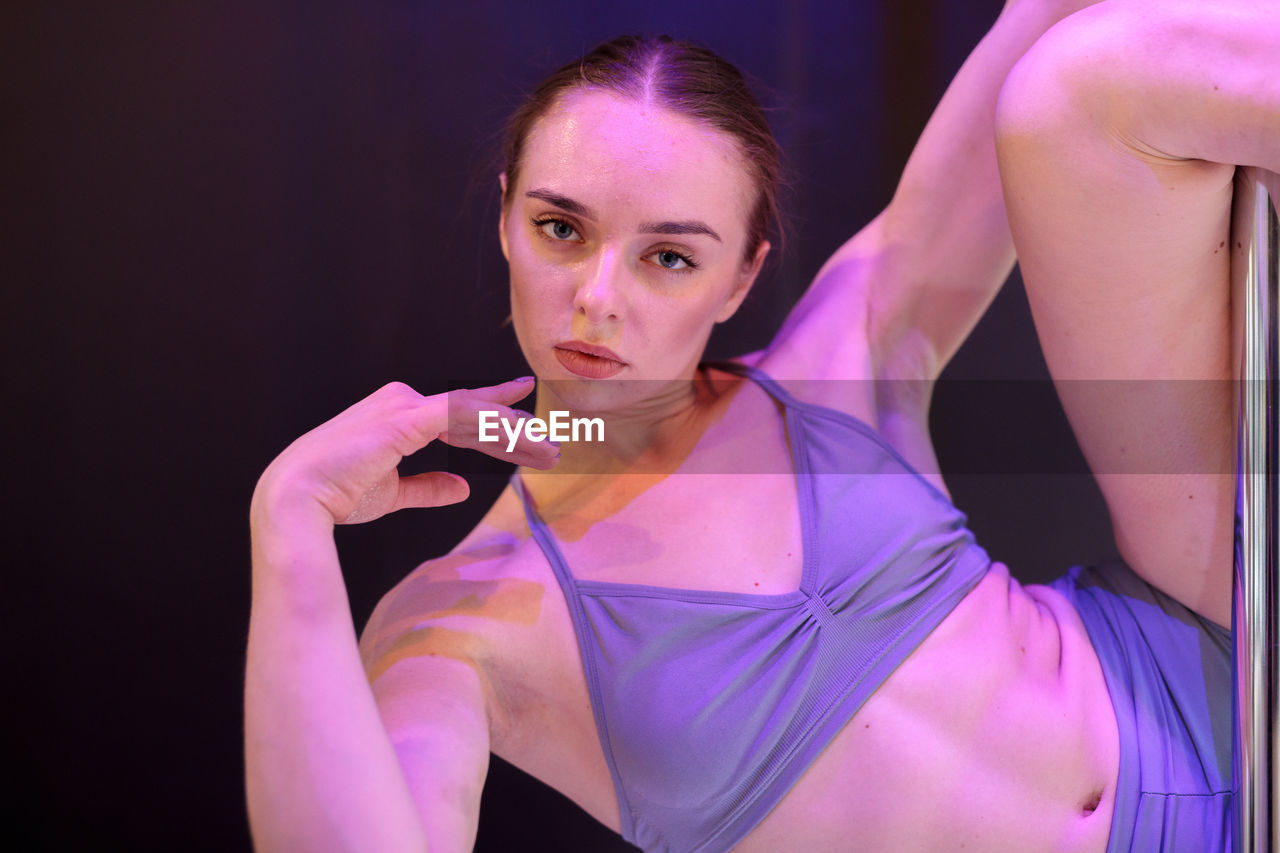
649 430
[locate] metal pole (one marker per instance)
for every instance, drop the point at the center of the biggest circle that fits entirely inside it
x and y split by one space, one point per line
1254 242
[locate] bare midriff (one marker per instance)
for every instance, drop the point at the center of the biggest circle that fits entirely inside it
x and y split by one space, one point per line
997 733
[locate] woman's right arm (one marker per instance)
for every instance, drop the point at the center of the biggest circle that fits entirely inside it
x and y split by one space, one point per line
331 762
321 770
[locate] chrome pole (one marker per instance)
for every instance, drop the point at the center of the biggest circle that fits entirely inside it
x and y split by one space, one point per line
1254 241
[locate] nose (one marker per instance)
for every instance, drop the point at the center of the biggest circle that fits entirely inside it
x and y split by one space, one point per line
599 298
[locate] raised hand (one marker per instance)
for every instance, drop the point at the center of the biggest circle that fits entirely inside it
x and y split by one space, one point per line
344 471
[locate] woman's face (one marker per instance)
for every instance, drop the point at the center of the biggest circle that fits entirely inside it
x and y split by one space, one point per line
625 237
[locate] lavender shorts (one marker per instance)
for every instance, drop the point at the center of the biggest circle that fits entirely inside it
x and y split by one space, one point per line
1168 670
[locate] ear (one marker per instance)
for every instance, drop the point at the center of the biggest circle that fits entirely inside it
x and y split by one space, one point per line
746 278
502 215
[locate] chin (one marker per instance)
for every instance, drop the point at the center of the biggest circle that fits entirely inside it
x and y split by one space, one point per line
594 396
621 397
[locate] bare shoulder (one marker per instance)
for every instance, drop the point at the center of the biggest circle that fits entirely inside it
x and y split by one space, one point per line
447 648
451 605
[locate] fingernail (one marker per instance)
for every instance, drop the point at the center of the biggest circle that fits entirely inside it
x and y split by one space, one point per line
554 444
525 379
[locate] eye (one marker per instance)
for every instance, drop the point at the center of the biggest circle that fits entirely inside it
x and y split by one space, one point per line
672 260
557 229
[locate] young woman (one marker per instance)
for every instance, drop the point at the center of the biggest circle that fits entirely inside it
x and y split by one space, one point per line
812 653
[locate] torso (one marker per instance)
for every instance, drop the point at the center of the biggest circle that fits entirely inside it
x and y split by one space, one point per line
997 732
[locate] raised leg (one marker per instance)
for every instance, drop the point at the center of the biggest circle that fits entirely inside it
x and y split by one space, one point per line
1117 136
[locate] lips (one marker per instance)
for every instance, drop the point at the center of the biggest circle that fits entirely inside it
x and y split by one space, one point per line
588 361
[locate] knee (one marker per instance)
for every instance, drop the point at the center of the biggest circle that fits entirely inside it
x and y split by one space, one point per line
1061 84
1161 79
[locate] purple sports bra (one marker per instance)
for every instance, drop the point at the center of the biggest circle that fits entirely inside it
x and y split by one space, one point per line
710 705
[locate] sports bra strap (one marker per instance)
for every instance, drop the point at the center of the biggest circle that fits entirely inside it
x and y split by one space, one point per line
764 380
582 629
543 536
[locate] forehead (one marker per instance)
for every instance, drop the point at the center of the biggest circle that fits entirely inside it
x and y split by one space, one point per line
619 154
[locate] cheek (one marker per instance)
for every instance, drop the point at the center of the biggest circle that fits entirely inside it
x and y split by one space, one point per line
698 308
677 329
532 268
539 289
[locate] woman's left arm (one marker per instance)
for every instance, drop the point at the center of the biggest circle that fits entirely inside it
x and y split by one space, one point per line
919 276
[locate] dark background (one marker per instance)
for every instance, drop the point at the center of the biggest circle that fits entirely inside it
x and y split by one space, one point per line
225 222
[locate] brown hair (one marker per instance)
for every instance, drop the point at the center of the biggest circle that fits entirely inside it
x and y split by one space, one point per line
682 77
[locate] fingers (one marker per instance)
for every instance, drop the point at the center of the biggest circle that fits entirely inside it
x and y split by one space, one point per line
392 492
482 419
498 431
457 418
434 488
420 419
510 392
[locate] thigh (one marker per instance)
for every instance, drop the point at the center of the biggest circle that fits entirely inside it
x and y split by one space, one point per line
1117 135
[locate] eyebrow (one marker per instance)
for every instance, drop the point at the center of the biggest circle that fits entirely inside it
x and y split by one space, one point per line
691 226
563 202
